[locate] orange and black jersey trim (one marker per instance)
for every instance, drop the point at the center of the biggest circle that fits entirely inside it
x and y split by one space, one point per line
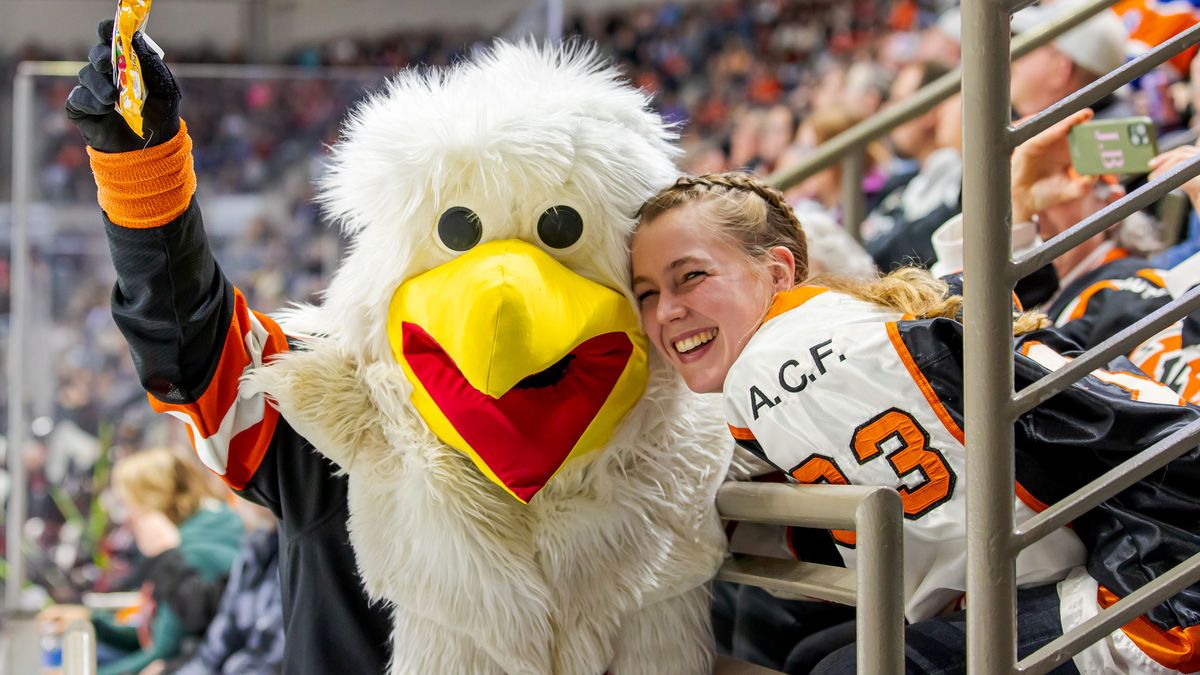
1099 304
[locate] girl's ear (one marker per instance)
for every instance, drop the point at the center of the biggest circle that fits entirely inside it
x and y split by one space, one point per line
782 267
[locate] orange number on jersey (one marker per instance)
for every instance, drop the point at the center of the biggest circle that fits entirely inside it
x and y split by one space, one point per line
822 469
912 454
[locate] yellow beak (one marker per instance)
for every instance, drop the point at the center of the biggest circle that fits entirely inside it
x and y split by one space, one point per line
517 361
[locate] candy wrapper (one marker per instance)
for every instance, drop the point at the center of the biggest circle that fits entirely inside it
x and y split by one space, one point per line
127 68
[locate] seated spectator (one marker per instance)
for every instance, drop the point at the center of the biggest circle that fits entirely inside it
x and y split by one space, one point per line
1074 60
172 513
823 190
942 42
1048 198
246 635
775 136
1106 282
867 85
898 231
1129 288
743 140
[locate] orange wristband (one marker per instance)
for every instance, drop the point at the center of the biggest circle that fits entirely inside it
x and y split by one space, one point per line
146 188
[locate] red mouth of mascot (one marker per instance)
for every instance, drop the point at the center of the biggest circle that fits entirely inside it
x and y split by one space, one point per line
527 433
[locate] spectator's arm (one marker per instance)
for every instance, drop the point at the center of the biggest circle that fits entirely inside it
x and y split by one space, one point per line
116 635
167 636
1170 159
1041 171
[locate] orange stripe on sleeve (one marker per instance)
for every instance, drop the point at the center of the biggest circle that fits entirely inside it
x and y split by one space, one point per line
146 188
1086 296
1153 277
1027 497
1177 648
233 453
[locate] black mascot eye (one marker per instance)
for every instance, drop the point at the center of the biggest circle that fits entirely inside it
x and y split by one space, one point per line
560 226
459 228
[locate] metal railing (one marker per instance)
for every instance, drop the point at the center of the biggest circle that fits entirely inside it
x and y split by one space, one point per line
876 588
848 147
991 406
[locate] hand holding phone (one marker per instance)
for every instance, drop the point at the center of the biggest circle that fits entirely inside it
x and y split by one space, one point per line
1114 146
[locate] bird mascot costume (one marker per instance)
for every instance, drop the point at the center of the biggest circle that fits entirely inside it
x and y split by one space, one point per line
528 490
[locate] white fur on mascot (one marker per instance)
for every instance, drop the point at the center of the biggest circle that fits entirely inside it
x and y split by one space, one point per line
531 490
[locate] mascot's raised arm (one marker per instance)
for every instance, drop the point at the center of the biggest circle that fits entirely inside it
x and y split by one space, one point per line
477 465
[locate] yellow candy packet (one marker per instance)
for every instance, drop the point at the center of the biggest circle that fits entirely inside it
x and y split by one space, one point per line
127 68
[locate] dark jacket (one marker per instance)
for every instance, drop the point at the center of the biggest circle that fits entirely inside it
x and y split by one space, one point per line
246 635
208 544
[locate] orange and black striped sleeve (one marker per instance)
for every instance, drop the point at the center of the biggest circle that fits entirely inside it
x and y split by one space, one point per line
189 329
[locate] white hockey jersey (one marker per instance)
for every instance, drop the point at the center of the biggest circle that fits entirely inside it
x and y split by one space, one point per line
832 389
830 393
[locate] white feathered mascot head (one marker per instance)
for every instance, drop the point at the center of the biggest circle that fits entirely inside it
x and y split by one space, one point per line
530 489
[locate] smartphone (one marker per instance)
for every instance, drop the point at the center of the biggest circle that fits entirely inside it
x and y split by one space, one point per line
1116 146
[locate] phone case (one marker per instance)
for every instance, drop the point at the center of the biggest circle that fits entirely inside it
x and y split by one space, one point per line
1116 146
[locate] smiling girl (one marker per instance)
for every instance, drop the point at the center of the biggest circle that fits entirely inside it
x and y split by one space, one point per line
861 382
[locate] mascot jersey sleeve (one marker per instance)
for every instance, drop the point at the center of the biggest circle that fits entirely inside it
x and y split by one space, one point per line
192 337
835 390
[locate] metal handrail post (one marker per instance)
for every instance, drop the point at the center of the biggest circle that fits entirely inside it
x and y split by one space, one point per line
854 206
988 368
79 649
879 613
877 516
23 111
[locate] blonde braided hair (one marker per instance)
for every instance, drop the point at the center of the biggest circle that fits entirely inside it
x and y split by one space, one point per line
757 218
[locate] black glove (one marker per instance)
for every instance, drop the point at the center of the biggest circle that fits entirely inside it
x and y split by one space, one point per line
91 103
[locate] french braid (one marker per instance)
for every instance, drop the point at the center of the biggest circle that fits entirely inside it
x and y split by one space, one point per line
756 214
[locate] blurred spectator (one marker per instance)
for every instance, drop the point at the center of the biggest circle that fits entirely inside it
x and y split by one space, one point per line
246 635
822 190
182 530
867 85
899 230
1151 23
1075 59
915 140
942 42
775 136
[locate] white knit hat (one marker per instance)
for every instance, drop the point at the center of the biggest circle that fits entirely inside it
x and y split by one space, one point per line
1098 45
